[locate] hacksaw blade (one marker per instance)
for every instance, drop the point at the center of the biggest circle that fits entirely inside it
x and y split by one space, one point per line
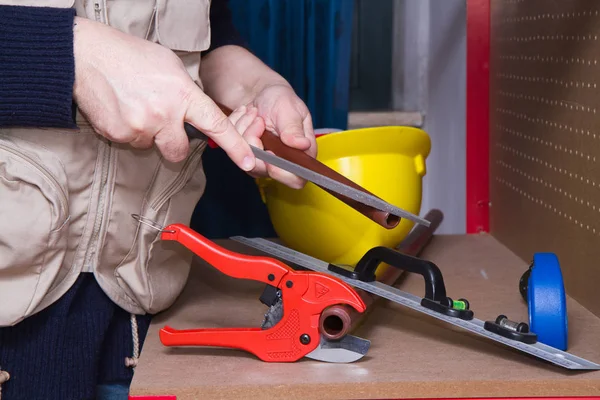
476 326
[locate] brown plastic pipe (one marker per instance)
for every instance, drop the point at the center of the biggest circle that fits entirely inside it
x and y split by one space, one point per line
339 320
272 142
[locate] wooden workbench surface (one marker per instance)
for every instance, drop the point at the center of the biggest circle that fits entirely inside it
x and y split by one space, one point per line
411 355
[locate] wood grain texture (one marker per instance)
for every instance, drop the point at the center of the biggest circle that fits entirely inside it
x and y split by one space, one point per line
412 355
545 135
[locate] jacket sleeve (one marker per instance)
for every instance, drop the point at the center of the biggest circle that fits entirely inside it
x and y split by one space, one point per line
223 30
37 67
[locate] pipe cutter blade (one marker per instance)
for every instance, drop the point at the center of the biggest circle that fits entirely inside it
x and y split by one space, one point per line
346 350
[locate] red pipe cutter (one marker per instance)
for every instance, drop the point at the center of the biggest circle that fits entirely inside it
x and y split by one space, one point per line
293 332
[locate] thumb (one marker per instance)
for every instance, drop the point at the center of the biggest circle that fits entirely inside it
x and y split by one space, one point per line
289 125
207 117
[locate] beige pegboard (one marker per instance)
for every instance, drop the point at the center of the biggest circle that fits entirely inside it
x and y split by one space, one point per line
545 134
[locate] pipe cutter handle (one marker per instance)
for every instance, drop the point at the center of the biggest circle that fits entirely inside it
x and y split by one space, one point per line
241 266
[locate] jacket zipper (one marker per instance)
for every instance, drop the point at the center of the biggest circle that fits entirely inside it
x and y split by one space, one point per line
100 11
97 10
178 182
100 209
44 172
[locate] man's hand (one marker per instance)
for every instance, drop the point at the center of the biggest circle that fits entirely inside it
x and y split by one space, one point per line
137 92
278 109
260 98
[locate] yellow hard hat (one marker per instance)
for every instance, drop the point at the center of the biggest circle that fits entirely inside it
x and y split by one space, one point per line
388 161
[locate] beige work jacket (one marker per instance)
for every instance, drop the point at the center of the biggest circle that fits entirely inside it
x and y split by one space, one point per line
67 197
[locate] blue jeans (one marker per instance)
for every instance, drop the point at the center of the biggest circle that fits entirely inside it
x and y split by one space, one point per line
112 391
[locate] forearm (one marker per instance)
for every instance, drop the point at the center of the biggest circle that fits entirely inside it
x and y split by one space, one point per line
36 66
232 76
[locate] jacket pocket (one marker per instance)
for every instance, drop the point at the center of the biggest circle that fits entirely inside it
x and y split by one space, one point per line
153 272
132 17
183 25
180 25
34 221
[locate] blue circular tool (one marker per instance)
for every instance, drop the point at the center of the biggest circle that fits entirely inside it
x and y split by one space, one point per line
543 288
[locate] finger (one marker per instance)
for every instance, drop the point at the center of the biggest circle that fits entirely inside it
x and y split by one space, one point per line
235 116
309 132
252 137
172 142
285 177
276 173
246 120
254 130
290 127
295 132
142 142
207 117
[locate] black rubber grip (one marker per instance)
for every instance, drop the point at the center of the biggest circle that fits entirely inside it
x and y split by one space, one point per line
365 269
